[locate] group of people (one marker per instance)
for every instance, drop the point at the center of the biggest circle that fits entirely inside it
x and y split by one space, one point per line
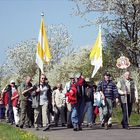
41 106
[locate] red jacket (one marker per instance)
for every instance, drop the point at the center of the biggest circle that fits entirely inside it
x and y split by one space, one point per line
15 101
5 98
72 97
80 81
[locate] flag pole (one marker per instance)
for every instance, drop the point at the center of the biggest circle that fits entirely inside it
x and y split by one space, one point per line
42 16
39 76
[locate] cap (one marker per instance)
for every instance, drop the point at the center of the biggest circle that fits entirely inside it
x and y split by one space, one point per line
12 81
107 74
87 80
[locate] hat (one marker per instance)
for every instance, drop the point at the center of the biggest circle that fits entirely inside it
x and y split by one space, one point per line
12 81
107 74
87 80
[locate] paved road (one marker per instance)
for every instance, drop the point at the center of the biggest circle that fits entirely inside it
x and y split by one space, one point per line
115 133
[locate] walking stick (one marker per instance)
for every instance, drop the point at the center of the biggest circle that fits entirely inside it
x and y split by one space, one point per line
127 109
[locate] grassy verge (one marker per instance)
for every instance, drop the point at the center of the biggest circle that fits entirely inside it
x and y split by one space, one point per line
117 117
8 132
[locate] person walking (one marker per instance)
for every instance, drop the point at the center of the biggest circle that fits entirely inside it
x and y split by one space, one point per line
7 94
25 91
1 107
89 99
44 102
14 99
128 95
81 88
109 92
72 99
59 105
68 104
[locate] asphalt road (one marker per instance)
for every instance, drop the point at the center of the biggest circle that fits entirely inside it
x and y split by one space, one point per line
97 133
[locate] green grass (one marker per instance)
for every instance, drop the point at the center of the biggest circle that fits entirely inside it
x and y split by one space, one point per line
134 119
117 117
8 132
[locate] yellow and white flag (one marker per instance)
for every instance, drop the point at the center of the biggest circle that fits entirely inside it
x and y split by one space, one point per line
96 54
43 54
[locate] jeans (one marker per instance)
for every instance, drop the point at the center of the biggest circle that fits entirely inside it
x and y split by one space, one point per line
107 110
74 116
89 110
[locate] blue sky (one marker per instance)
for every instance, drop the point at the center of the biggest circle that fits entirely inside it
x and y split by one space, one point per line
20 21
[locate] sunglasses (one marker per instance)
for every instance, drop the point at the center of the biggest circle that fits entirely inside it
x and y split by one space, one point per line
43 78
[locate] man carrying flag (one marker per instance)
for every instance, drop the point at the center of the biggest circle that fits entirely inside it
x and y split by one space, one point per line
96 54
43 95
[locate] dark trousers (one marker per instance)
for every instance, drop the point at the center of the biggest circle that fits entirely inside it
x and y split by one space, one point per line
25 113
69 123
11 114
29 120
80 110
126 111
1 111
60 112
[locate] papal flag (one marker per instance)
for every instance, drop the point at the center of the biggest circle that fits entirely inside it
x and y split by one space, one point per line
43 54
96 54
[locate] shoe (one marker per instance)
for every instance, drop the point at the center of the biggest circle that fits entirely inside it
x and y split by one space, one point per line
106 126
21 126
69 126
110 125
128 128
90 125
63 125
40 126
47 128
123 126
7 121
79 127
75 129
36 128
102 124
28 126
55 125
17 125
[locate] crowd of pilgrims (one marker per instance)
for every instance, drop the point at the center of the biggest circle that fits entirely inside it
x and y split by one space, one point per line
43 107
